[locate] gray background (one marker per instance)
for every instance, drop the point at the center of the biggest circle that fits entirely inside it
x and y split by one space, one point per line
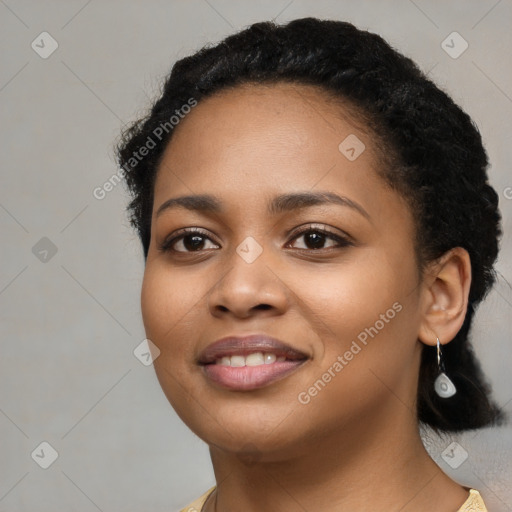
71 320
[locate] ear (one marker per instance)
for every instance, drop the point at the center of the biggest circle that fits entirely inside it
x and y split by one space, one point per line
445 295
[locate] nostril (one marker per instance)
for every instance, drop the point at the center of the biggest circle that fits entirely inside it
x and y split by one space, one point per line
261 307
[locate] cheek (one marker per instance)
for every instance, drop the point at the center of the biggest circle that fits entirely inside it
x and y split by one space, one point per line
371 309
351 296
167 301
366 313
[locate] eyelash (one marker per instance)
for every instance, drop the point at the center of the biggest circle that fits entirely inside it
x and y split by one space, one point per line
166 245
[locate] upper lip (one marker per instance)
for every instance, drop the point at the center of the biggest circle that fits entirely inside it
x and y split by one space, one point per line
236 345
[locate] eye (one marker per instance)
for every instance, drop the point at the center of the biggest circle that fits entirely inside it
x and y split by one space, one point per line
315 238
188 240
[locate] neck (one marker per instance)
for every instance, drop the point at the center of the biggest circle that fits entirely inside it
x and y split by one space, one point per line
367 466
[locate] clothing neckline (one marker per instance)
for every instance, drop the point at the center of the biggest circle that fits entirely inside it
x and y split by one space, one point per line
473 503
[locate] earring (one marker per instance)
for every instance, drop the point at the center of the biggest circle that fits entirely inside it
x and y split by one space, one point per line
443 386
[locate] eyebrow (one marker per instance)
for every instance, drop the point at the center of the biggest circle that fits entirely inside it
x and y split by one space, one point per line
282 203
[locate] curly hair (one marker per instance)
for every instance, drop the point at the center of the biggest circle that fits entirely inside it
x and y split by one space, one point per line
431 150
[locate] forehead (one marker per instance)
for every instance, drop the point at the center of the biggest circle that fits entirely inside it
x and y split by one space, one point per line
283 106
275 132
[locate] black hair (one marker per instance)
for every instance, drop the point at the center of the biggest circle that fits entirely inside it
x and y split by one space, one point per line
432 151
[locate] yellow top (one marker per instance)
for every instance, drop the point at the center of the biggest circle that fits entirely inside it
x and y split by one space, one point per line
474 503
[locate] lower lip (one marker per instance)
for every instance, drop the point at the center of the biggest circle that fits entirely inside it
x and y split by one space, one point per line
245 378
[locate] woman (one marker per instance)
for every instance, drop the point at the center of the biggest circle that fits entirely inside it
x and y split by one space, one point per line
318 230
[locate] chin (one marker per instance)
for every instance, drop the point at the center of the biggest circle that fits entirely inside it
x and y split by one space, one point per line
274 436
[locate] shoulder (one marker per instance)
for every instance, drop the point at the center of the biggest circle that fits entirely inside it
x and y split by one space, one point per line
197 505
474 503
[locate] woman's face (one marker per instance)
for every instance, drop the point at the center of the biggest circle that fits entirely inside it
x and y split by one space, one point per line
301 241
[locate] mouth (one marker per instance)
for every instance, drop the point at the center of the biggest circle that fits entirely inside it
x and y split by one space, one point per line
251 362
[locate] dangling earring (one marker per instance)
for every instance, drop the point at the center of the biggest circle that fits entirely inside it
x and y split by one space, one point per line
443 385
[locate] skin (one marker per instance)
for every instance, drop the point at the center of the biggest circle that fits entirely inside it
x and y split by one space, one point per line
355 445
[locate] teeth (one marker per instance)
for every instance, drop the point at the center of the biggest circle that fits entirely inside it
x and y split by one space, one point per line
237 361
254 359
270 358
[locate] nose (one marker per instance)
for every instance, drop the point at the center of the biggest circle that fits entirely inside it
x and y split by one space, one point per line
248 289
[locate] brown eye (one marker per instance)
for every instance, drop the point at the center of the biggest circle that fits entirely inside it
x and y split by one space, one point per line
190 240
193 242
316 239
